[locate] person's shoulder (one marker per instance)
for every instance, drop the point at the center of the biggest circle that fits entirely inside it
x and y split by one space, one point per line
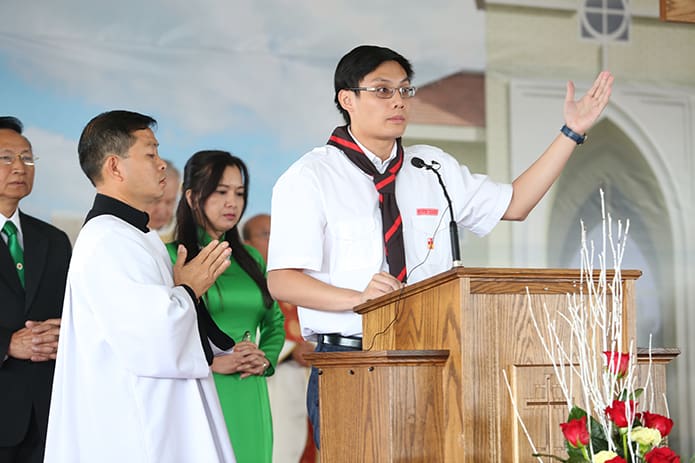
425 150
429 153
105 223
30 220
111 229
317 156
310 165
43 227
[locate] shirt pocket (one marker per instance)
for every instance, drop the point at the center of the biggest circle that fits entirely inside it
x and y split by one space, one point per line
428 243
357 245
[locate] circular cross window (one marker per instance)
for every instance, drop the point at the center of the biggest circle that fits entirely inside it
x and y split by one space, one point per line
606 20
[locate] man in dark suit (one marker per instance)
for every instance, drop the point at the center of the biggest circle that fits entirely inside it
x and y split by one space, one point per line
34 258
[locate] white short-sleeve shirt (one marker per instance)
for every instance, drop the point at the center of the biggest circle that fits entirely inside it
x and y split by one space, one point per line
326 221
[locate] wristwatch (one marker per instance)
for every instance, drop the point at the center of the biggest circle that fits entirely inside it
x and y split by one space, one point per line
572 135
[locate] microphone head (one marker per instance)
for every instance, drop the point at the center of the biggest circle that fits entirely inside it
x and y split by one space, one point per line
417 162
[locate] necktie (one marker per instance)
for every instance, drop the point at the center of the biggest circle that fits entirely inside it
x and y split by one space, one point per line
15 249
385 184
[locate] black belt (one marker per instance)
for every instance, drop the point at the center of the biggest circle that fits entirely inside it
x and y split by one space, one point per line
334 339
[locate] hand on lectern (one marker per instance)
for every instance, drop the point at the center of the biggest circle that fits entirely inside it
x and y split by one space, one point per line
380 284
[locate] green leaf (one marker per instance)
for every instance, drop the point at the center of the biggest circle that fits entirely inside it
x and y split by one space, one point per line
624 396
576 459
599 441
576 413
573 453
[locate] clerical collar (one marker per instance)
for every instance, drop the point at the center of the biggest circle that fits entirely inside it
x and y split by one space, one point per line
106 205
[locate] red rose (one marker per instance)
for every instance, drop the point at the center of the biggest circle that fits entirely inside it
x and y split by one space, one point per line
575 432
617 362
659 422
662 455
617 459
620 415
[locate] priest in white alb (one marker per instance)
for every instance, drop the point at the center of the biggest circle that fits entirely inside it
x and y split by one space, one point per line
132 381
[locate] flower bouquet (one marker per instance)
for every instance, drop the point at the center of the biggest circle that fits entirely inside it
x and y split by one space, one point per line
630 436
608 414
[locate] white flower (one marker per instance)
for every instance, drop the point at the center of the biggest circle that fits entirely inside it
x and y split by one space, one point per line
647 437
603 456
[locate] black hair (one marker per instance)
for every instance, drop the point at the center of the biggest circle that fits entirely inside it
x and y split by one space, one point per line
201 176
359 62
109 133
11 123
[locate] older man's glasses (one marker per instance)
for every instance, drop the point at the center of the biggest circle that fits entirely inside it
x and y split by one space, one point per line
387 92
7 158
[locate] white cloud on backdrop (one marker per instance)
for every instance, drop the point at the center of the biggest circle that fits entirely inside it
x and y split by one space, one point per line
256 76
58 178
219 64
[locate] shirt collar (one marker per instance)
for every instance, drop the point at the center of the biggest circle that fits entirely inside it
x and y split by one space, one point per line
14 218
106 205
204 237
376 160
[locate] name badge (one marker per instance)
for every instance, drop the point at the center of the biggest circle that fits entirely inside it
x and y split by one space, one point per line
427 211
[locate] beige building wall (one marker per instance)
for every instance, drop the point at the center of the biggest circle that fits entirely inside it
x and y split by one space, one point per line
533 48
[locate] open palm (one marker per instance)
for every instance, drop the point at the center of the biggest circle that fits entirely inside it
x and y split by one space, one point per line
580 115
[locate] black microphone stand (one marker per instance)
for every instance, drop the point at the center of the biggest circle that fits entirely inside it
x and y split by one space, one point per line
453 227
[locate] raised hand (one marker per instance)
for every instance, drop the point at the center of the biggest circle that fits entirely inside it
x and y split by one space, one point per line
202 271
580 115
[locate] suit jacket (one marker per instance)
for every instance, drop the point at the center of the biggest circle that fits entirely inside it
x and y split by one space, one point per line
24 384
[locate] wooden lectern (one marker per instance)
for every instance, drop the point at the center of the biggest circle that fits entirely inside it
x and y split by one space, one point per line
444 342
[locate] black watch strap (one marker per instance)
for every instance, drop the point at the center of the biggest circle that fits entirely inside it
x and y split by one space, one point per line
572 135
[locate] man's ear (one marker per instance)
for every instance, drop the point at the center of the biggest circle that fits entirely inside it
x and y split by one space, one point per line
112 169
346 99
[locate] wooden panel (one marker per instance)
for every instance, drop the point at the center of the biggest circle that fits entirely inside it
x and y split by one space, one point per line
509 341
428 319
677 10
542 407
381 406
542 404
654 398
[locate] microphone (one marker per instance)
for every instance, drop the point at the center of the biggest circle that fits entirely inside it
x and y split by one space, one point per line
453 227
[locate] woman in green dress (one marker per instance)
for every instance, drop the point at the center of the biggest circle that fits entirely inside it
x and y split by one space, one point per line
215 190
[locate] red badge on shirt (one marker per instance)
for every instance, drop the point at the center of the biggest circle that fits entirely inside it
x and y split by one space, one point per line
427 211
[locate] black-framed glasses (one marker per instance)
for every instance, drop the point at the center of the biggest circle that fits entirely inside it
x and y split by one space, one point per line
8 157
387 92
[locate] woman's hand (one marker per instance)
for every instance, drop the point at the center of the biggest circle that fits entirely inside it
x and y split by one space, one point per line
246 358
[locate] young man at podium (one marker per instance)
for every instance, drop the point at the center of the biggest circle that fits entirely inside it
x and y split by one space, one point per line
361 216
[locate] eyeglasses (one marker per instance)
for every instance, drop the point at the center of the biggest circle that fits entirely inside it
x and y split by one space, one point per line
7 158
387 92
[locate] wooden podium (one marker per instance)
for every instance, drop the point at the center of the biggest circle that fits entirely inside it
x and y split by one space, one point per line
458 331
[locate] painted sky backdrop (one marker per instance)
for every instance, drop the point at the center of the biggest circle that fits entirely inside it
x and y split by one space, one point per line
251 77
